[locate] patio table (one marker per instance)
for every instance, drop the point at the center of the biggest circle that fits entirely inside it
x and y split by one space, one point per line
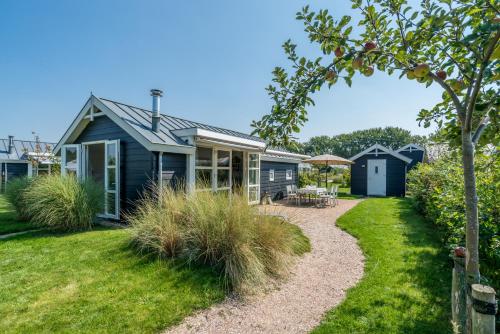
308 191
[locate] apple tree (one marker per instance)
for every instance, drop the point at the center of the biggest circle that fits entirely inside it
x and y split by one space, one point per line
451 45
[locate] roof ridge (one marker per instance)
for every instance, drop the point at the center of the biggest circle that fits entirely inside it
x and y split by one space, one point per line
183 119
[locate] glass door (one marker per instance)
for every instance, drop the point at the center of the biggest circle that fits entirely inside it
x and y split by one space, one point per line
70 160
253 178
112 179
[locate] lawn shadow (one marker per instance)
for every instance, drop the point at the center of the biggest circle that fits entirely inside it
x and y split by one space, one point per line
431 272
195 275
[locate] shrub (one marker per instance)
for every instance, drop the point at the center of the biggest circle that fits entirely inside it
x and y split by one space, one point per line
438 192
243 246
15 195
63 203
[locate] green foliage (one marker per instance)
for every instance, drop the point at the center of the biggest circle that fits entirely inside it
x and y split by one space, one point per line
15 195
228 234
349 144
452 38
63 203
438 192
405 286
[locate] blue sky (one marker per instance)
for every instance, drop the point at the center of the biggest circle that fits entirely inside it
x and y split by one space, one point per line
213 60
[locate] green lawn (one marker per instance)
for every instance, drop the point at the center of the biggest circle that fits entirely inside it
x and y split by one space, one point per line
406 285
8 221
93 282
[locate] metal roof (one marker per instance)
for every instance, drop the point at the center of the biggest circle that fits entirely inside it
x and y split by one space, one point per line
140 119
21 148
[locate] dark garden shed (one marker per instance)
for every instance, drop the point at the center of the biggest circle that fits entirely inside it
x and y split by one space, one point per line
379 171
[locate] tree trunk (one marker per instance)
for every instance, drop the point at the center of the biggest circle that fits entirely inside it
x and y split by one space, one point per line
472 227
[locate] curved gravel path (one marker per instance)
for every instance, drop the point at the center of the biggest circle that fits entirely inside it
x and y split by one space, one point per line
318 282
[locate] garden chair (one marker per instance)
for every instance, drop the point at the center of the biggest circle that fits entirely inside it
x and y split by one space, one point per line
331 196
291 193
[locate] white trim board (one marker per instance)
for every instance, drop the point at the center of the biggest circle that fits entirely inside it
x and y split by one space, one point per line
410 148
384 150
212 135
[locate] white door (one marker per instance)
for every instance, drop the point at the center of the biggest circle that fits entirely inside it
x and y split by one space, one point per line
376 174
70 160
112 179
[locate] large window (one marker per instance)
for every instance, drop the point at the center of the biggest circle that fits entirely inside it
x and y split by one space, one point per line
223 170
213 169
204 168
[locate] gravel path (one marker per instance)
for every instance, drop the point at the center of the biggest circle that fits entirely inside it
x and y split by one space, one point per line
318 282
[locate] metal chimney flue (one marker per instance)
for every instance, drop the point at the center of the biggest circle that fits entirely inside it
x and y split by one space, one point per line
155 123
11 144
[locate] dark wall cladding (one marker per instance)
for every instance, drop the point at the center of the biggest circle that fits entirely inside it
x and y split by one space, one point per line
16 170
416 156
277 188
136 162
174 169
395 175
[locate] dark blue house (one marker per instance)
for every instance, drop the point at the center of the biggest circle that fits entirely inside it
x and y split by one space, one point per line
380 171
126 147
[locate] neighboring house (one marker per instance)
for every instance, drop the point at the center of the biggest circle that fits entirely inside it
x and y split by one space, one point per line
16 158
126 148
380 171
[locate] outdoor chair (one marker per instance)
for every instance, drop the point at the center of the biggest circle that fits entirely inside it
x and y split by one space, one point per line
291 193
331 196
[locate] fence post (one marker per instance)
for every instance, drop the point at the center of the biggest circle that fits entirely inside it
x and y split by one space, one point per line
484 309
459 291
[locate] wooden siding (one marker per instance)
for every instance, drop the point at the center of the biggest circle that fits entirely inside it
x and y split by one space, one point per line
136 162
173 168
395 175
277 188
16 170
416 156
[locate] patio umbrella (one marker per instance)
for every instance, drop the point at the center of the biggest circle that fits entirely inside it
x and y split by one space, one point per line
327 160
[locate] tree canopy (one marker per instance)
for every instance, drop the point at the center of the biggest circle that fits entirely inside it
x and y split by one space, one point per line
453 43
348 144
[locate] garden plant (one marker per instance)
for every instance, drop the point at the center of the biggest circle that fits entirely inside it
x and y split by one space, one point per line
245 247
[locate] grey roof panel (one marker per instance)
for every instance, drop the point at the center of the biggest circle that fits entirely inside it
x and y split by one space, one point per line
21 147
140 120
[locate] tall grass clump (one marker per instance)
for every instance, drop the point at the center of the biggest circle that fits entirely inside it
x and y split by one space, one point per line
155 224
63 203
225 232
15 195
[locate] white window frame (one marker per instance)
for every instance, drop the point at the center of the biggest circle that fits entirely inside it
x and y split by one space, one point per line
271 175
211 168
215 152
289 174
116 167
256 185
78 159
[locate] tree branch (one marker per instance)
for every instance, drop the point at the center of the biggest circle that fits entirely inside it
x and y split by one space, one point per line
454 97
479 78
480 129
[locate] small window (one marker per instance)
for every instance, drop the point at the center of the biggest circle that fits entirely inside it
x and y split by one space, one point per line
289 174
271 175
376 169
